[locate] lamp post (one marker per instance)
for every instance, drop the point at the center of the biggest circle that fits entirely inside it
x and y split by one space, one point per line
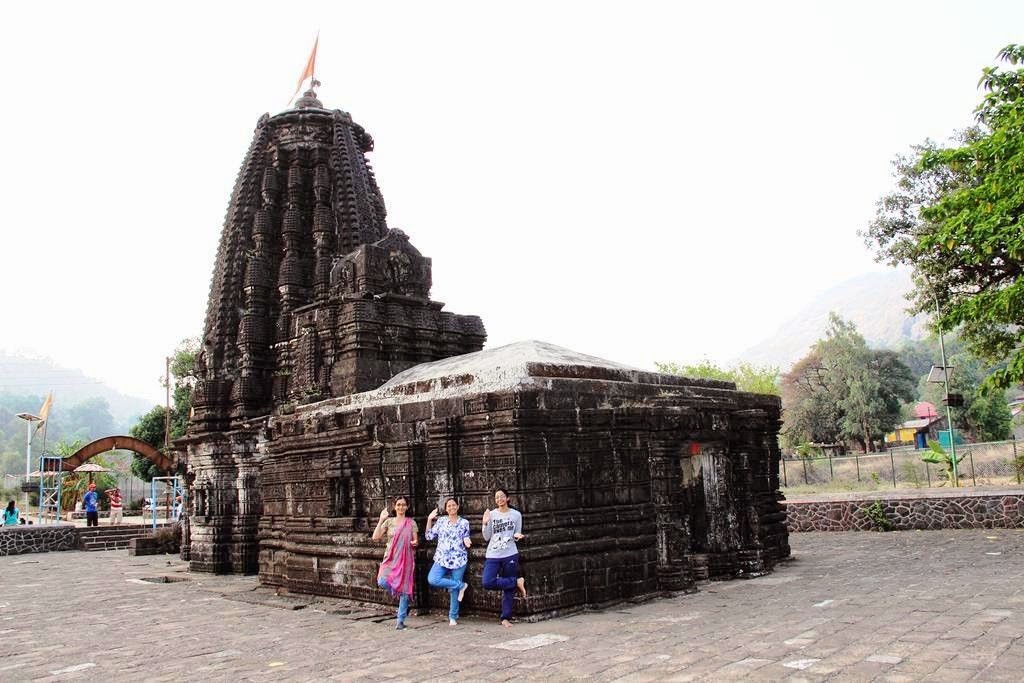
945 386
29 418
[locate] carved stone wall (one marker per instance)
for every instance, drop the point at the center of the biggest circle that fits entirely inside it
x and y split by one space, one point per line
225 503
626 489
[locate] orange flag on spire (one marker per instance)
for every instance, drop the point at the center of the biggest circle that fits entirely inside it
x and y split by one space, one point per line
310 70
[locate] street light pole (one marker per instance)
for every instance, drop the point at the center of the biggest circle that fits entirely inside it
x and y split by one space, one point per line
167 405
945 385
29 418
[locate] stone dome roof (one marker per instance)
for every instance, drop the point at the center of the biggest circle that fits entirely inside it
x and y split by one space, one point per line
503 367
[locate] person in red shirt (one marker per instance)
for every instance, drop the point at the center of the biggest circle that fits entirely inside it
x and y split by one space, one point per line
115 506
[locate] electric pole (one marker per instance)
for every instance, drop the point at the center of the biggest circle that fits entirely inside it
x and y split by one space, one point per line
167 407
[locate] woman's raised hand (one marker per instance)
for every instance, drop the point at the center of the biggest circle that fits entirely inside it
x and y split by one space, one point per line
487 517
383 514
432 515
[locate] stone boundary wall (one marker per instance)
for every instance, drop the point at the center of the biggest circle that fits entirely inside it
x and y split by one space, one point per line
906 511
17 540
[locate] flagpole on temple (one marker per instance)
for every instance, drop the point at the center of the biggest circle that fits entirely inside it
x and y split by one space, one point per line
310 70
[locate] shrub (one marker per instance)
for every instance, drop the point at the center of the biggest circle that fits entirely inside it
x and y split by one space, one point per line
876 514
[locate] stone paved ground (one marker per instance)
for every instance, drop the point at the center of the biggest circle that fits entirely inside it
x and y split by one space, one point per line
924 605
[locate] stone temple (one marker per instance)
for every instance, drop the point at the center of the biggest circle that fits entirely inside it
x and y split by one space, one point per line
330 383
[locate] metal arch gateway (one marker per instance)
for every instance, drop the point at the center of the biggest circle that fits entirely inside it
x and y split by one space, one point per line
110 443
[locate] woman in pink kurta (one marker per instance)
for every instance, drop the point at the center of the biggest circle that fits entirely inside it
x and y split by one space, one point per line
396 570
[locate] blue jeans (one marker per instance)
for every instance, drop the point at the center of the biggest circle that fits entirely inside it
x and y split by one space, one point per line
437 579
403 602
500 574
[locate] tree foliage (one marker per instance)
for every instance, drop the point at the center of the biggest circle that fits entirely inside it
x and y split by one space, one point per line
844 391
812 414
746 376
150 427
985 416
955 217
84 421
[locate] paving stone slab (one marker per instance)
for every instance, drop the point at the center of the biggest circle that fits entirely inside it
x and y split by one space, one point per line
225 628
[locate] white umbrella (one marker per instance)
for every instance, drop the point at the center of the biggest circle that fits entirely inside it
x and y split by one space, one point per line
91 467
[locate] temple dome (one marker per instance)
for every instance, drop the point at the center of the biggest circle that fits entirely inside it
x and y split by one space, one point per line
514 367
509 363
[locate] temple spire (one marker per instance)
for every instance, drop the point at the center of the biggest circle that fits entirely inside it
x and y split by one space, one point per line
309 99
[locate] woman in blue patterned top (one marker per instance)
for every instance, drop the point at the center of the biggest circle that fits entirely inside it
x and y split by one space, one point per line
450 557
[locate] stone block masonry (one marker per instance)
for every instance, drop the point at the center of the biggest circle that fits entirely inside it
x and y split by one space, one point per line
631 484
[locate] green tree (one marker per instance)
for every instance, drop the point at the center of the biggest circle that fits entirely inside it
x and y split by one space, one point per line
985 416
88 420
811 412
876 392
955 218
843 390
746 376
150 427
989 417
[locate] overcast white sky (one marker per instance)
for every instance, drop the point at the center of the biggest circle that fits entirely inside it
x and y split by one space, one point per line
638 181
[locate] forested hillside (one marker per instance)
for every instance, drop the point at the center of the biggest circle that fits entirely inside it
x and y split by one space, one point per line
83 409
26 376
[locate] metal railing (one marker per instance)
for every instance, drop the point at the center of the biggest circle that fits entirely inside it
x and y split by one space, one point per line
997 463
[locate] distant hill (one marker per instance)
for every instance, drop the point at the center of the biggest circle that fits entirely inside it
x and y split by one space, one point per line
27 376
875 302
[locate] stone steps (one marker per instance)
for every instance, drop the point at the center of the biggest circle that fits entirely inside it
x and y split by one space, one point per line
105 545
110 538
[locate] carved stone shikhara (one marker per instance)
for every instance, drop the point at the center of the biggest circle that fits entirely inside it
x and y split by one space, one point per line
312 297
331 383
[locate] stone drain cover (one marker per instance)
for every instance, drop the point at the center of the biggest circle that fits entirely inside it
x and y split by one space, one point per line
164 579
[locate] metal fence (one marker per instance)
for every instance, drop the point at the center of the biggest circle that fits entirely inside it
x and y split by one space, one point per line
998 463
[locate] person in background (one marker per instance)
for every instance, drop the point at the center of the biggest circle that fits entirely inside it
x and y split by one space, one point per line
11 514
396 570
92 511
450 558
502 528
116 506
